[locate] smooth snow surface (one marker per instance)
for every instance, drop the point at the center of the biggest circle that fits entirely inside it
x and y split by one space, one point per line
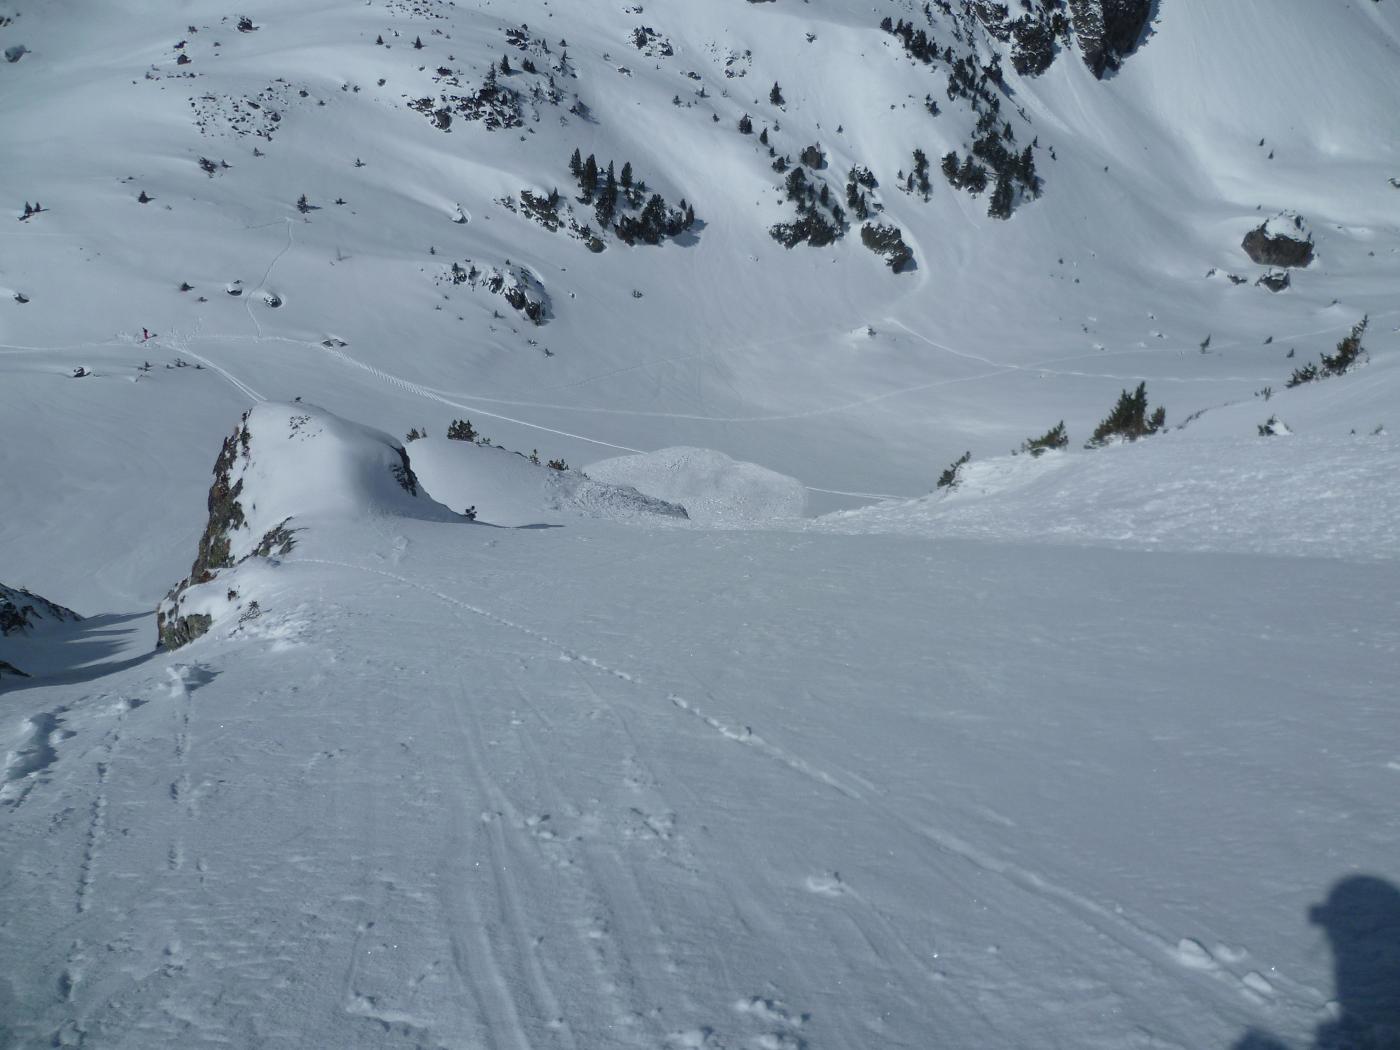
1095 751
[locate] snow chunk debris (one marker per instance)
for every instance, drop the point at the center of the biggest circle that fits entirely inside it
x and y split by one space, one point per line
713 488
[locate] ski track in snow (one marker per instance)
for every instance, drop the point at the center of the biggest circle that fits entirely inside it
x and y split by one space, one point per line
1158 951
473 404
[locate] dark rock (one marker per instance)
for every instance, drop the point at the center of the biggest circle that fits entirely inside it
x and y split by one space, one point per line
1275 280
1268 245
1108 30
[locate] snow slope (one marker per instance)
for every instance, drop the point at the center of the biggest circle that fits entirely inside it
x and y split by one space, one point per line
1063 758
641 788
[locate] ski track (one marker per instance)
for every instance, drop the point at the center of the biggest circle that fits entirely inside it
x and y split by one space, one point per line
473 403
1156 950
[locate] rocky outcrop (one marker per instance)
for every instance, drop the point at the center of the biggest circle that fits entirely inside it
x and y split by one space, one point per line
22 610
1282 241
1108 30
175 626
283 462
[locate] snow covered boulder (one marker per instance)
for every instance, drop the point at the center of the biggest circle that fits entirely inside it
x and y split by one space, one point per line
1282 241
713 488
507 488
283 467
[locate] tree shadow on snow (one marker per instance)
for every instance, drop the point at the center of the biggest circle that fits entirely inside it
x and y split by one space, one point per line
91 648
1361 918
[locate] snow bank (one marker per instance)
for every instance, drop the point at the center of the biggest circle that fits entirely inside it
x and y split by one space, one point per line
506 488
713 488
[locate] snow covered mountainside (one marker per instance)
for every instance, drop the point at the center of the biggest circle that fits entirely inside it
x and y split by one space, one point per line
693 559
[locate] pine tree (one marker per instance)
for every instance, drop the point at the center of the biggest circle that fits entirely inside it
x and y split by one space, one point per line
576 164
505 66
1055 437
418 43
999 207
589 182
1129 419
626 177
745 125
776 95
951 478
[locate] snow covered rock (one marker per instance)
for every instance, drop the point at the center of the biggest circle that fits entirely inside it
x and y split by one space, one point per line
714 489
287 461
508 488
21 612
1282 241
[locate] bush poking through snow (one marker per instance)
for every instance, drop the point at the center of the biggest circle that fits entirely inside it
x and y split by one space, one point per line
1129 419
1348 354
1273 427
952 477
1055 437
461 430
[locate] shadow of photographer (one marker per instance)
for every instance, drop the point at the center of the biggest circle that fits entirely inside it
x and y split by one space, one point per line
1361 918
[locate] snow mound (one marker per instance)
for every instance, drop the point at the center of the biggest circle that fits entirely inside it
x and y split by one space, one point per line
507 488
300 461
286 465
714 489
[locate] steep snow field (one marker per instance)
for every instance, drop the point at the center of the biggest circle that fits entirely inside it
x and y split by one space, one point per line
1061 757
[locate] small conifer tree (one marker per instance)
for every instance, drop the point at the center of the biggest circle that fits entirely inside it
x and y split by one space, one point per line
1129 419
1055 437
951 478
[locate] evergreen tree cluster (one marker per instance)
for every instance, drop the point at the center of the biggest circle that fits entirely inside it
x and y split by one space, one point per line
888 241
461 430
820 218
614 195
920 45
917 180
857 182
1349 351
1129 419
992 157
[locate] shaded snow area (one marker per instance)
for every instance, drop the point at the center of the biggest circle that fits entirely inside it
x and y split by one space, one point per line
698 526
